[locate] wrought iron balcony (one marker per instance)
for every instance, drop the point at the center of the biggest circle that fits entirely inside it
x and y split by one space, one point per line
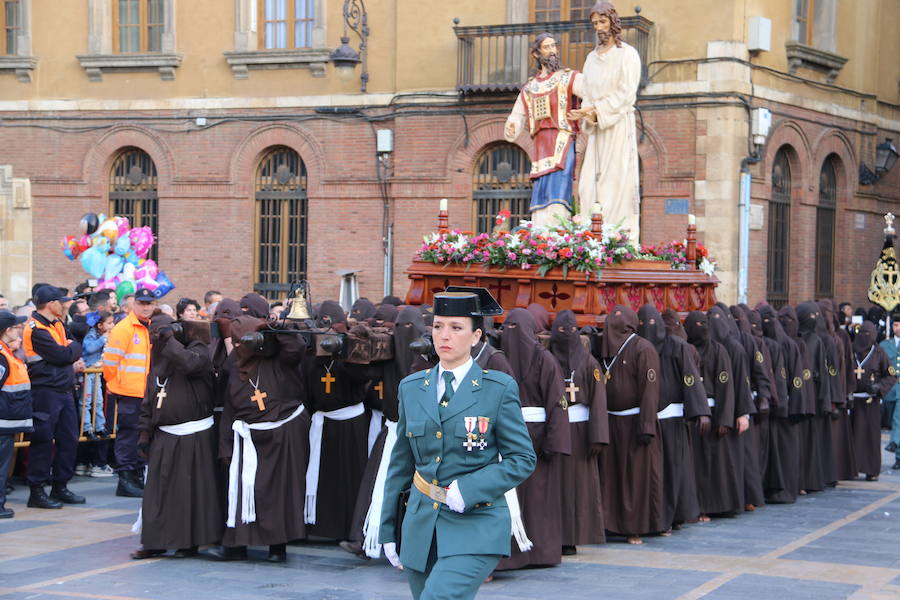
494 58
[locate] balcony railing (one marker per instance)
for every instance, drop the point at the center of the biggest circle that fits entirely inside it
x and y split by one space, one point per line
495 58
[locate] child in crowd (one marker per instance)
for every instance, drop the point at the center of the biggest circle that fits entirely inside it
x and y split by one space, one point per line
100 323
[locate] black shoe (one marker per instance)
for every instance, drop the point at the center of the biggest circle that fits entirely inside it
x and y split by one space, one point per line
91 436
6 513
138 477
569 550
354 548
896 464
65 495
185 552
40 499
277 553
871 477
142 554
127 487
891 447
229 553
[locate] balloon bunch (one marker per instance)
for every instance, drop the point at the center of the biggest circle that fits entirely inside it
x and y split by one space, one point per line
116 255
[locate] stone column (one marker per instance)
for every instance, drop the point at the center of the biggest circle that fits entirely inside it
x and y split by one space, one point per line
15 237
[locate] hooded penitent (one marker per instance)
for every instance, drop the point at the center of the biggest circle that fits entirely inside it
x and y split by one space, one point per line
255 305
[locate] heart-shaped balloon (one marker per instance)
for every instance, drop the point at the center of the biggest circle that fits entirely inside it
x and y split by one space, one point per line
114 264
93 260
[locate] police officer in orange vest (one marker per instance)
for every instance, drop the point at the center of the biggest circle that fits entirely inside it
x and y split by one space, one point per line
53 359
126 363
15 398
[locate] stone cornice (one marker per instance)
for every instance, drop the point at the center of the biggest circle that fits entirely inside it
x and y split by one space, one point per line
314 59
22 66
95 64
801 55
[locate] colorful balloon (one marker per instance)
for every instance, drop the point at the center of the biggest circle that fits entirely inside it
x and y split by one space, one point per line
165 285
122 225
114 264
141 240
147 269
123 289
123 245
89 223
109 230
93 260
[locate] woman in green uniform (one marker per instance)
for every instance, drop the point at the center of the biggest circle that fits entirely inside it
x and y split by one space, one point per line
456 422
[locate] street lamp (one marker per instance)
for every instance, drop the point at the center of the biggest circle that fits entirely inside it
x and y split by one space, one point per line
885 158
344 57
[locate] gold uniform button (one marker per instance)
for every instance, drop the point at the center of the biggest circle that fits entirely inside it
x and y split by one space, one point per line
489 504
409 434
435 506
434 482
439 435
437 459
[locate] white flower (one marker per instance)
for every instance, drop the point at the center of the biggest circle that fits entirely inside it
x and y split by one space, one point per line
707 266
460 243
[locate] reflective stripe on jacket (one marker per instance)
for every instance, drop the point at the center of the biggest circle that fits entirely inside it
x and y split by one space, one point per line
126 358
15 394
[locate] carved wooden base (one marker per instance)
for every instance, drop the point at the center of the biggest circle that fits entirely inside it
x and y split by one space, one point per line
633 284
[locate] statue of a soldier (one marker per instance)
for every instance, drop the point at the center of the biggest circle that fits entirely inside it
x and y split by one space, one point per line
543 107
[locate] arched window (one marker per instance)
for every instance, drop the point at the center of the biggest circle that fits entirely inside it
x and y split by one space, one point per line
281 209
779 231
500 182
133 191
825 216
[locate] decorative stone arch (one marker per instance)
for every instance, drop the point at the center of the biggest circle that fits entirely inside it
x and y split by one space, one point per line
99 159
835 142
251 149
790 134
467 148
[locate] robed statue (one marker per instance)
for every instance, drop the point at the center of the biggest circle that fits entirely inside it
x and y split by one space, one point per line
544 106
610 78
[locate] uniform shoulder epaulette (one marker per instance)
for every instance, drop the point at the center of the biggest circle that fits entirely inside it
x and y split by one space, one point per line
496 376
416 376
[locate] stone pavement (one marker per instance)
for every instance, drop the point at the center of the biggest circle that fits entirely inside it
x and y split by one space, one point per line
836 544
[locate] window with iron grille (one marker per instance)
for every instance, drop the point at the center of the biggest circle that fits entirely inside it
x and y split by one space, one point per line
778 276
500 182
825 220
286 24
281 221
10 26
133 191
137 26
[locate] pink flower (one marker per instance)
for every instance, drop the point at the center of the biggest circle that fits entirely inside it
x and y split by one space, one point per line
526 266
511 256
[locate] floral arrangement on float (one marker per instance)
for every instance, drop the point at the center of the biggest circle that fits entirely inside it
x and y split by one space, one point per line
569 245
115 254
676 253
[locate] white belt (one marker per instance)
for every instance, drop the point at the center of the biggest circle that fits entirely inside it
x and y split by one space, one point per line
861 395
578 413
189 427
534 414
625 413
374 430
711 402
676 409
218 409
372 524
243 439
315 452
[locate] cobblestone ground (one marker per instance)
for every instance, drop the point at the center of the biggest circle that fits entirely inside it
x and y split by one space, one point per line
841 543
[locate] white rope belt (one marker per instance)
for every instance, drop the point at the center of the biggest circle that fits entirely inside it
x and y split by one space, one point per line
626 413
861 395
676 409
244 442
374 428
372 524
188 427
578 413
534 414
315 453
711 402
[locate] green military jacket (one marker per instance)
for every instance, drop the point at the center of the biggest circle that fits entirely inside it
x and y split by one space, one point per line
890 348
433 441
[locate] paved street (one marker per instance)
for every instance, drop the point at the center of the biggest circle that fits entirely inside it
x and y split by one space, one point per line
838 544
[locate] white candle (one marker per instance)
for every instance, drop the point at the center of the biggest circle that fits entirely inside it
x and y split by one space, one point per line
443 204
596 209
692 220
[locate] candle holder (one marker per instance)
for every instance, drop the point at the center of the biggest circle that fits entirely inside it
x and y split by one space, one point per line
597 223
443 221
692 245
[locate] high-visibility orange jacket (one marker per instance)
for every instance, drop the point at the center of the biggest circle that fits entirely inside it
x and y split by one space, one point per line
126 358
49 353
15 393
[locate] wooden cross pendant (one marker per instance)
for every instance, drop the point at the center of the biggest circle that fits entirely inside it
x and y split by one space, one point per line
859 372
571 389
160 396
380 389
328 379
258 397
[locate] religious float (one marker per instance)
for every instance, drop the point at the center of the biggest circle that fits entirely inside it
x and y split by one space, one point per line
587 268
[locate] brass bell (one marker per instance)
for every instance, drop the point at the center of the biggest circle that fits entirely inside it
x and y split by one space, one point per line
299 302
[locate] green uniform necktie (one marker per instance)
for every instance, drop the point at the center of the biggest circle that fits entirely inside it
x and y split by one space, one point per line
448 388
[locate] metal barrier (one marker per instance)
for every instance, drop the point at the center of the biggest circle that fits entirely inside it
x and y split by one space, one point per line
23 442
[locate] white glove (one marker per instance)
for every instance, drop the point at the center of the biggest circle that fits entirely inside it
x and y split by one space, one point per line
390 551
454 498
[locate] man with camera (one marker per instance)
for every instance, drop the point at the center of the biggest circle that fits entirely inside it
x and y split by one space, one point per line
126 362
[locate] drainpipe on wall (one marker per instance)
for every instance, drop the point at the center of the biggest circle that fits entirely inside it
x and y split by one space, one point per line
744 237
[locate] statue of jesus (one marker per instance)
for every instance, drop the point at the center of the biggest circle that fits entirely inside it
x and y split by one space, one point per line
609 173
544 104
